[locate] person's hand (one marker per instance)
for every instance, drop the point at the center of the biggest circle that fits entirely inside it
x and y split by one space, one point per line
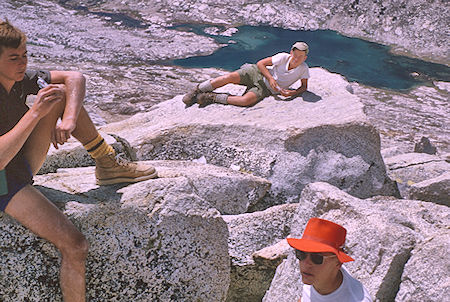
63 131
274 84
287 92
47 98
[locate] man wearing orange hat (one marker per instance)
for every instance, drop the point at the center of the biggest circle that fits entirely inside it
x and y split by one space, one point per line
320 253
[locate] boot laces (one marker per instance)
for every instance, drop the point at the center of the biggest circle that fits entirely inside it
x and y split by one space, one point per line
121 160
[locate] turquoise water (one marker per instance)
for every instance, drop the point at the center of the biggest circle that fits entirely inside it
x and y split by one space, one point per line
357 60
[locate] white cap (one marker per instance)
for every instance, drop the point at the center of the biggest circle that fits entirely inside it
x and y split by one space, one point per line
301 46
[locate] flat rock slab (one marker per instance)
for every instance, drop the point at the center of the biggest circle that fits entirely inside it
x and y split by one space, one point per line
322 135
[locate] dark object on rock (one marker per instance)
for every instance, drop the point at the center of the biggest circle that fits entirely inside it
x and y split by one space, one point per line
424 146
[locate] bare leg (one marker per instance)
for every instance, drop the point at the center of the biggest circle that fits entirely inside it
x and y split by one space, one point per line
85 130
37 145
34 211
229 78
248 99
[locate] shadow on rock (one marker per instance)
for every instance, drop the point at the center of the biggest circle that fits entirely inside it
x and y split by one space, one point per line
94 196
307 96
311 97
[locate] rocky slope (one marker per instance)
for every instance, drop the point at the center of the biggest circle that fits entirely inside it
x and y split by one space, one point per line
276 139
215 232
118 45
120 57
238 182
388 22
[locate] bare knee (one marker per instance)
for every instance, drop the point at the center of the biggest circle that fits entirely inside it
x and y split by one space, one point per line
250 99
76 247
248 102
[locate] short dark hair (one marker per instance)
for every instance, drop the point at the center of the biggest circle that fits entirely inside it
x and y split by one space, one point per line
10 36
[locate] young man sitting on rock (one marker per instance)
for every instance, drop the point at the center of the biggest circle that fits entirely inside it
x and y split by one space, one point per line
320 253
261 82
25 137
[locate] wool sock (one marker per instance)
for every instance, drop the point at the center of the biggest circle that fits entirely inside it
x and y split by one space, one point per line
221 98
205 86
98 147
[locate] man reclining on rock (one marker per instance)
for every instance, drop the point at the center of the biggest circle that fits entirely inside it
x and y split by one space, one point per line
25 137
261 82
320 255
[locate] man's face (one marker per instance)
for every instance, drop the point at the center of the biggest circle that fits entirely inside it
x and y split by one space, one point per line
13 64
298 57
319 274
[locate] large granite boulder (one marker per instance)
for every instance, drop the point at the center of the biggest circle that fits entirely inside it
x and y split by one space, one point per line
421 176
250 233
434 189
157 240
425 276
386 237
321 136
165 240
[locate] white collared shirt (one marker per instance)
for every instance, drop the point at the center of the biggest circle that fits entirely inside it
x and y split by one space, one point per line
351 290
281 73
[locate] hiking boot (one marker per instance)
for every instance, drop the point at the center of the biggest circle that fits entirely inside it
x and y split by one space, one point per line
190 98
112 169
206 98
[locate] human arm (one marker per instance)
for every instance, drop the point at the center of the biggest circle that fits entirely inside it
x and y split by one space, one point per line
75 90
12 141
298 91
262 66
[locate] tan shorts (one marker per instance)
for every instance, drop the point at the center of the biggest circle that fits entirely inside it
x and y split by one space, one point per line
254 80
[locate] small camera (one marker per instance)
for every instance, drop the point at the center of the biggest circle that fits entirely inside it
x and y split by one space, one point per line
41 82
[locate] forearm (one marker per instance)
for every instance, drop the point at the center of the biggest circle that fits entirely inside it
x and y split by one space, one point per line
300 90
75 90
265 72
12 141
303 87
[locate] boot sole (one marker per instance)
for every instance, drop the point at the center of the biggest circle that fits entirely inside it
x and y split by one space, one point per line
112 181
190 101
189 104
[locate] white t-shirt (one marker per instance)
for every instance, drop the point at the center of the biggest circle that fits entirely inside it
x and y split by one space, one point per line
351 290
282 75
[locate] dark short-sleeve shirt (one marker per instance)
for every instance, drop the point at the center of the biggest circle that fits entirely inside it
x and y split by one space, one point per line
12 109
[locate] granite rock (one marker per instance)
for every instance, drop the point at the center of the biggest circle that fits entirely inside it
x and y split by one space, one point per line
321 136
420 176
385 237
157 239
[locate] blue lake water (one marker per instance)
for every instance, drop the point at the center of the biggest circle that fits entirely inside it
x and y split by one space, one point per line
357 60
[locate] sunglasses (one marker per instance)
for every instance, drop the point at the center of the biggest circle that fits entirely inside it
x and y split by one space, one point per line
316 258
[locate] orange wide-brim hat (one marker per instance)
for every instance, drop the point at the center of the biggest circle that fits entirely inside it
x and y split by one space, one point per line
321 236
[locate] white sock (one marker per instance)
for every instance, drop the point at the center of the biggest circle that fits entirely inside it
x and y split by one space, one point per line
205 86
222 98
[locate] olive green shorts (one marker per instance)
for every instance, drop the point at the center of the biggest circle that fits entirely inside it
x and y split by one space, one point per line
254 80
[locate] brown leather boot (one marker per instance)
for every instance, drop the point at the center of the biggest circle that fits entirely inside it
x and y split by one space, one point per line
190 98
112 169
206 98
